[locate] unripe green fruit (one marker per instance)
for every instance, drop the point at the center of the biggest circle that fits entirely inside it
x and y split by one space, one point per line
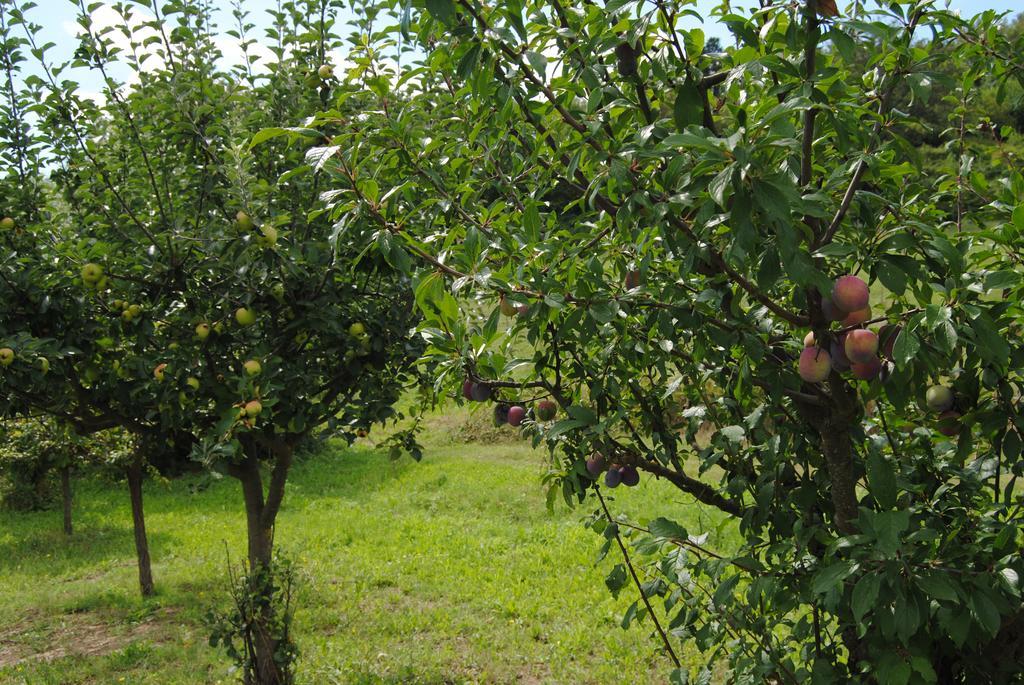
92 273
939 398
158 372
126 316
44 364
203 331
135 310
245 317
508 308
325 71
356 330
268 237
6 356
277 291
7 223
243 222
192 382
252 367
253 408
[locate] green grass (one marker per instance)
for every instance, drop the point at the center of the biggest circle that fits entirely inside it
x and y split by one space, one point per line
447 571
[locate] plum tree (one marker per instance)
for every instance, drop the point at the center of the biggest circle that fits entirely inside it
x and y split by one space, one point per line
762 191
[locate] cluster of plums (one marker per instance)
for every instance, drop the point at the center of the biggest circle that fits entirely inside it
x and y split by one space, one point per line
942 401
857 350
504 412
614 474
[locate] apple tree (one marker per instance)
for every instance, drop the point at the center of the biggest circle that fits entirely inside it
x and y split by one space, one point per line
175 277
727 271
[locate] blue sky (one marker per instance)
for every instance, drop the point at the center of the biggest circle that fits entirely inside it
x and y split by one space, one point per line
58 20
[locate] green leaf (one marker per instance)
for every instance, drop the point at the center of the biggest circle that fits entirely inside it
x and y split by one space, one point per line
865 592
734 433
882 480
663 528
998 280
991 345
938 585
906 347
985 612
616 580
442 10
827 578
689 105
538 62
721 184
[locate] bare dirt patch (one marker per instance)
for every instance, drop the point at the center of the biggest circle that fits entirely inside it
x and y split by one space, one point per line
80 634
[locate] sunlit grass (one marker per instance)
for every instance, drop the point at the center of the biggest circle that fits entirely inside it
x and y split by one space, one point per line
450 570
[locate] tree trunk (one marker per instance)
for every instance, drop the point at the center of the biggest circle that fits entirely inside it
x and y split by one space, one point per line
260 515
65 493
838 448
139 523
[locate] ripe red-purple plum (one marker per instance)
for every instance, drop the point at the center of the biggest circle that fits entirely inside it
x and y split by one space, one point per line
850 293
861 346
831 311
949 423
840 362
865 371
480 392
596 464
467 389
522 309
632 279
887 335
939 398
630 476
815 364
546 410
613 477
500 414
516 414
857 317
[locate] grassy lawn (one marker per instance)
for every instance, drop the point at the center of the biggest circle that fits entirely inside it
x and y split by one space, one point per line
447 571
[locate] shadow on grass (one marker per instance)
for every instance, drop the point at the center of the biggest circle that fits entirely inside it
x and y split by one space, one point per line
48 552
